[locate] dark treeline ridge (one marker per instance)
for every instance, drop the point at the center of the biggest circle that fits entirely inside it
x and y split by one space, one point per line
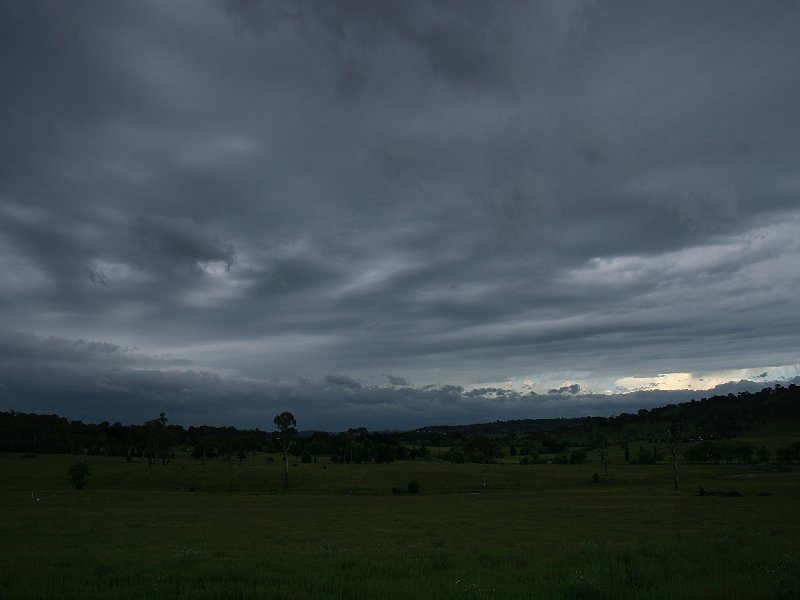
707 419
708 424
723 416
156 440
499 427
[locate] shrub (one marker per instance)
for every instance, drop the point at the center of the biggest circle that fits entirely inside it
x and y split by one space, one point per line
720 451
562 458
788 454
645 457
456 455
534 456
577 457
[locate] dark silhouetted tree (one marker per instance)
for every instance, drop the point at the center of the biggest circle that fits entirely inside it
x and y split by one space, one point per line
674 437
598 439
157 440
287 427
483 449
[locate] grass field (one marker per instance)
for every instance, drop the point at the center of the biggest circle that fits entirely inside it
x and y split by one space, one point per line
536 531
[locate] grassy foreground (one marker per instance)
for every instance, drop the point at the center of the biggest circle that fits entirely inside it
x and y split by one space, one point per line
538 531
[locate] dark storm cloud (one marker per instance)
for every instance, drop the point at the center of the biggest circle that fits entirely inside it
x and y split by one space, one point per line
82 378
451 192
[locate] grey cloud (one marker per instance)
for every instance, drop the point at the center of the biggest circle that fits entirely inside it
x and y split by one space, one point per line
395 380
460 192
182 241
566 389
342 382
19 348
465 42
96 276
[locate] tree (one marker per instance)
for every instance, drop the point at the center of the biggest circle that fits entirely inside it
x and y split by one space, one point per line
158 441
626 449
287 427
598 439
483 449
674 438
77 474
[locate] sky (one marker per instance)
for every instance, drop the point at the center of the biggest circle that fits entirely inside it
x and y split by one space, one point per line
395 214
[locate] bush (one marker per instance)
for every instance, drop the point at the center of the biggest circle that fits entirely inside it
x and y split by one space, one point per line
788 454
533 459
562 458
456 455
577 457
530 455
413 488
78 474
645 457
721 451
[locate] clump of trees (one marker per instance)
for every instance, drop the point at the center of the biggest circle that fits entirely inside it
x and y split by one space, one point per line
647 456
478 448
531 457
788 454
717 451
574 457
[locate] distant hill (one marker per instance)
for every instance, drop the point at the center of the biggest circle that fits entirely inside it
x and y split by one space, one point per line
727 416
517 426
716 417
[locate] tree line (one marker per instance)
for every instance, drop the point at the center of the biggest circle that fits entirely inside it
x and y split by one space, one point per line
703 423
157 439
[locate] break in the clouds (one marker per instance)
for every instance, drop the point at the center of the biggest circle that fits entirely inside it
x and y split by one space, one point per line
394 213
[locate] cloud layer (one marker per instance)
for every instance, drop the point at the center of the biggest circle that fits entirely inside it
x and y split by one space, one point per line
92 381
373 198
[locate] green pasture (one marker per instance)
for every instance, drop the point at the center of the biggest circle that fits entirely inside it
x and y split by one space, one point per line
536 531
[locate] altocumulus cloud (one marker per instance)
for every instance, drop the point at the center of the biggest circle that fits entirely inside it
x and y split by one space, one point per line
394 213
